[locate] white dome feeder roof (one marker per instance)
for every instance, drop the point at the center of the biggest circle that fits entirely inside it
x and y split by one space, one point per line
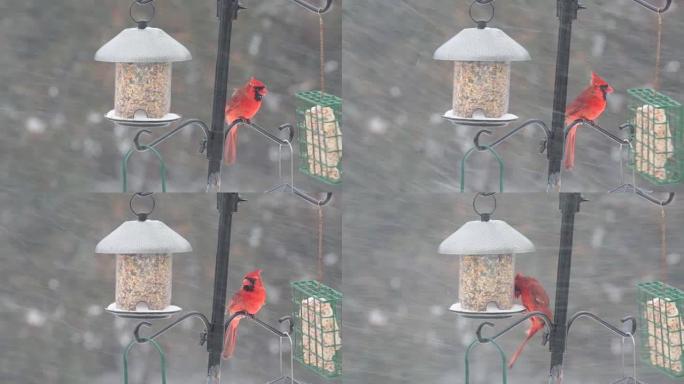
491 237
143 45
481 44
143 237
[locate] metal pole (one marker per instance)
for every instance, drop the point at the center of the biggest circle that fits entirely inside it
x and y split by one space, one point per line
566 12
227 205
227 12
569 206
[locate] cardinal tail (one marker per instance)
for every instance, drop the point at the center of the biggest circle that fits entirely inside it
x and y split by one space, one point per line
570 148
230 338
230 147
519 351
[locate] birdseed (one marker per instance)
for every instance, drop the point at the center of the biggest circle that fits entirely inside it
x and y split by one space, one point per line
481 89
143 280
142 87
486 279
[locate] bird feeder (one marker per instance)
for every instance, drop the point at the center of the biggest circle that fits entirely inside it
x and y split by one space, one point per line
661 309
317 313
657 136
144 250
319 118
143 57
487 250
482 59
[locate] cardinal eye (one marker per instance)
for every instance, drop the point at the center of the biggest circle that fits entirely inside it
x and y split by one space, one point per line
259 89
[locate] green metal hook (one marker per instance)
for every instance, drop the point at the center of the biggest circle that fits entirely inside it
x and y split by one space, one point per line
124 167
496 156
475 343
162 359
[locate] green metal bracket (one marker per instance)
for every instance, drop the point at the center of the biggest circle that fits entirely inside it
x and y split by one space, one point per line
496 156
504 370
162 360
124 167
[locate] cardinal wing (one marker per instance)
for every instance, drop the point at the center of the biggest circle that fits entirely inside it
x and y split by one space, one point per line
541 298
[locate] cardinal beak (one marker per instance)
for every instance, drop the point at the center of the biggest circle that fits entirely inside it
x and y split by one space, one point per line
607 88
263 91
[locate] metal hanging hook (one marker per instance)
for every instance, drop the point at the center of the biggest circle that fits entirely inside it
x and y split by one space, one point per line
142 216
484 215
319 10
619 332
145 324
299 193
598 128
547 321
630 188
321 203
535 122
607 325
653 8
263 131
481 24
192 122
268 327
142 22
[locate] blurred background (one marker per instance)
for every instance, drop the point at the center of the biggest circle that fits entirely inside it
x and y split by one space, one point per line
395 93
54 288
397 318
54 94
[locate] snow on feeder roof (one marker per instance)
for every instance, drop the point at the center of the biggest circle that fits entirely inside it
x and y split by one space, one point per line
486 238
143 45
143 237
481 44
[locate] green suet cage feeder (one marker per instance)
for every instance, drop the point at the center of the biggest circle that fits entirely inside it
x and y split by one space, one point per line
319 121
661 309
657 142
317 313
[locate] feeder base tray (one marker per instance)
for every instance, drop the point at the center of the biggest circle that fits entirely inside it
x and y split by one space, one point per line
283 380
628 380
147 314
492 313
142 122
480 121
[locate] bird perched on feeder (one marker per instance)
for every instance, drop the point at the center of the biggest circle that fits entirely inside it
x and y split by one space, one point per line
244 104
250 298
535 299
589 105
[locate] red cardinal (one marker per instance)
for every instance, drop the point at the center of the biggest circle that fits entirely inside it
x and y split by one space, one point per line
244 104
535 299
250 298
589 105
